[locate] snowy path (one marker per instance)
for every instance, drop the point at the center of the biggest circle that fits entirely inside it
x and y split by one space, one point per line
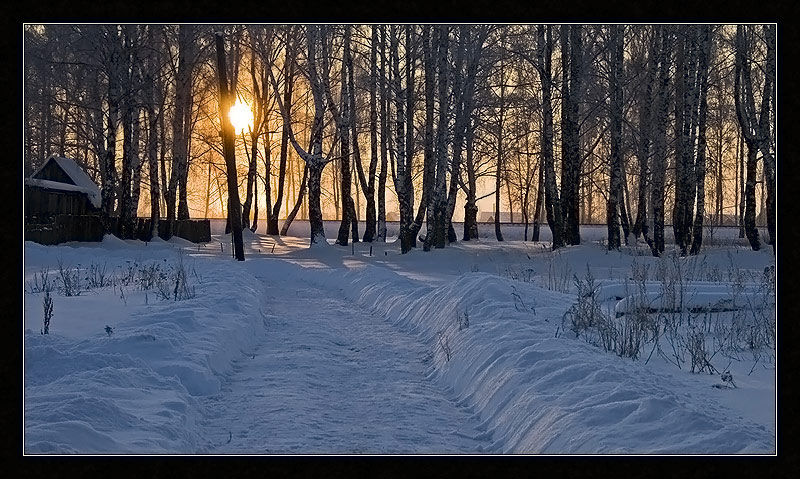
331 378
318 350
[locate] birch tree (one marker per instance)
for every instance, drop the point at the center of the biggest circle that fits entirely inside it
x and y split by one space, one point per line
402 156
659 164
367 180
384 143
181 122
571 91
228 137
617 34
341 115
552 202
645 136
754 123
700 163
313 158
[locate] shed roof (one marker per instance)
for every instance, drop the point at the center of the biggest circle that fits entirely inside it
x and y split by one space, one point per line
83 183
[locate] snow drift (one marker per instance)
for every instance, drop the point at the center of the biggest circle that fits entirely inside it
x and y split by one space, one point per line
534 393
493 344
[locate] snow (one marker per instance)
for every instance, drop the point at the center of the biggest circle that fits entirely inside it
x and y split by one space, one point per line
331 350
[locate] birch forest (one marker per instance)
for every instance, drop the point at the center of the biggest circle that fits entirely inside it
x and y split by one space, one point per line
658 131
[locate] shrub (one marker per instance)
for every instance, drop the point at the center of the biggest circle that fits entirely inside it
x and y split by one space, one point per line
149 275
70 279
525 275
98 277
462 320
584 317
678 333
442 338
180 276
174 283
41 282
557 276
48 312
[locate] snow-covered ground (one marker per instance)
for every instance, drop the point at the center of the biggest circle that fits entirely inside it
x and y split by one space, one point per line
359 349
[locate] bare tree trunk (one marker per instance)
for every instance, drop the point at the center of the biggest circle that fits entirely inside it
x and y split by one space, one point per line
470 206
316 163
686 123
109 160
751 128
254 226
344 130
740 160
183 201
588 193
509 187
750 229
179 139
644 150
255 132
537 209
290 217
228 135
700 166
272 219
162 155
661 116
718 194
128 151
769 98
153 90
571 53
438 200
461 93
353 131
47 119
552 203
410 96
625 204
129 146
436 237
370 227
500 153
152 152
615 188
470 47
425 210
403 178
314 208
313 158
136 167
384 167
273 210
268 181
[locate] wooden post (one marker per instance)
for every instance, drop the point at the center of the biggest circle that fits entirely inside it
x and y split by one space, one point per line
228 146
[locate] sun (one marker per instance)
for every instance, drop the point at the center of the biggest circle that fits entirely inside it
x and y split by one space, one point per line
241 116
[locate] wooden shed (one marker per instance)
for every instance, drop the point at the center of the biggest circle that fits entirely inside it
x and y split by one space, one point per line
60 187
62 204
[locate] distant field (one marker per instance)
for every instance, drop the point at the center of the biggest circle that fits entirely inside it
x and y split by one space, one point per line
716 236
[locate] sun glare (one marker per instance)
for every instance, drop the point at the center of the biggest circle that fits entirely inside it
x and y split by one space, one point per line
241 116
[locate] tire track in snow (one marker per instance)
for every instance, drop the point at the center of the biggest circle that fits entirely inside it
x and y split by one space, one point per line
331 378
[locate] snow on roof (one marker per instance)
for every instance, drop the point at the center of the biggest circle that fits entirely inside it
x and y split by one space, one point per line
93 195
83 183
